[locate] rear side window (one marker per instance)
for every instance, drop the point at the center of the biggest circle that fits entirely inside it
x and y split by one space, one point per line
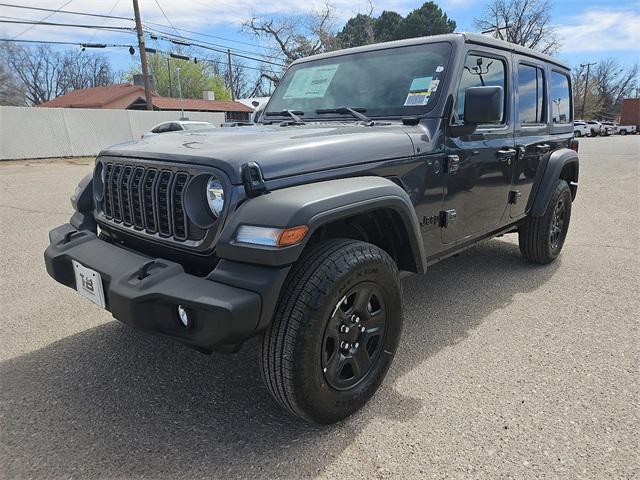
531 94
174 127
480 71
560 98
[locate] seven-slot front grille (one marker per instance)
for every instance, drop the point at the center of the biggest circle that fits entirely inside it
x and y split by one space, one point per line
148 199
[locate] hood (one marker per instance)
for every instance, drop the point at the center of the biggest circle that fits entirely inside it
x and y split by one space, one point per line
280 151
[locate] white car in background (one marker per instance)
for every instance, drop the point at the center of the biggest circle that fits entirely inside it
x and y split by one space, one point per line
627 129
177 126
581 129
596 128
609 128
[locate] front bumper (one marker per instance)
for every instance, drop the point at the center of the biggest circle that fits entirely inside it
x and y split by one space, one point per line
223 315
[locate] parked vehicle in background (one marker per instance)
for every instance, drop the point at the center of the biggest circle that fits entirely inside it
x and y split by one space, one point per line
595 127
610 128
177 126
581 129
627 129
369 163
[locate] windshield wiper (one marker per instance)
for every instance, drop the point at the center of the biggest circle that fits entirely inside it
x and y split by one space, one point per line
292 113
353 111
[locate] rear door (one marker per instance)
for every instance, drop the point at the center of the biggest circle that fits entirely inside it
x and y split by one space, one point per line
479 165
531 128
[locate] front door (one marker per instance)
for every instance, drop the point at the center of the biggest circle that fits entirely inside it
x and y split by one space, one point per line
479 166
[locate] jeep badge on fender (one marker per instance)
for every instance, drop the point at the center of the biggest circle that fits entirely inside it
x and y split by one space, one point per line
366 164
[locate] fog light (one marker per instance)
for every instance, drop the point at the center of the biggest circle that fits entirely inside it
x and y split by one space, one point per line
184 316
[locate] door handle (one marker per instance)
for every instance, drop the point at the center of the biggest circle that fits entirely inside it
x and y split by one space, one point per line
505 154
543 148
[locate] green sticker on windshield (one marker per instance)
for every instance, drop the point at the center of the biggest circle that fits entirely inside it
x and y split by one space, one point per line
311 82
419 91
420 84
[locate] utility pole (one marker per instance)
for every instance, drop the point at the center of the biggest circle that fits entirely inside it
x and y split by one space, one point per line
182 117
233 96
586 85
143 56
169 72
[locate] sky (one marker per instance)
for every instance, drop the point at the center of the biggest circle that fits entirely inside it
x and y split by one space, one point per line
588 30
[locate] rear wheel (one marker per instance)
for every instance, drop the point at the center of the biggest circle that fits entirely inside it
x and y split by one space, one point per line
335 331
623 132
541 238
577 133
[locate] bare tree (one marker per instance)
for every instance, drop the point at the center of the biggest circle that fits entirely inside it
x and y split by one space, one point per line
43 74
608 85
11 92
296 37
524 22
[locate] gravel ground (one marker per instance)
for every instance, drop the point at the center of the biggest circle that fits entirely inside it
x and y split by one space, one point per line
505 370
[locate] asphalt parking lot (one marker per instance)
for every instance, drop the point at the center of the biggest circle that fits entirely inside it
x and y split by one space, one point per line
505 370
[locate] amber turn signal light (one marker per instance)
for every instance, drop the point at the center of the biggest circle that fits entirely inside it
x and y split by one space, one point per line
291 236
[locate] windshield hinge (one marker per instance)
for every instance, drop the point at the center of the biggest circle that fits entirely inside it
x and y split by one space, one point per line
410 120
253 181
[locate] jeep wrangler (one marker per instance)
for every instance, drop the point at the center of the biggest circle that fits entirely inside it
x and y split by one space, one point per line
366 164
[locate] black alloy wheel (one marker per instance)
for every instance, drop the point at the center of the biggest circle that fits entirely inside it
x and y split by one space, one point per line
354 336
557 225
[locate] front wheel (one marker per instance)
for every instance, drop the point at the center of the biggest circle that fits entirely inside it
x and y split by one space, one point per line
335 330
623 132
577 133
541 238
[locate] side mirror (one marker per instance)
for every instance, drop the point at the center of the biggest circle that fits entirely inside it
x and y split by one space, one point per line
483 105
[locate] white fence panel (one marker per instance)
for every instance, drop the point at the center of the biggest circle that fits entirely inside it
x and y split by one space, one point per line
28 132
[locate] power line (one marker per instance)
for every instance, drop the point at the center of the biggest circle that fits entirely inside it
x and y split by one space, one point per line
75 12
240 42
199 59
233 49
43 19
76 44
55 24
165 17
169 37
105 19
41 9
206 46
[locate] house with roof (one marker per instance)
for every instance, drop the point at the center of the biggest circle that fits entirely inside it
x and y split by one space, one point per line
128 96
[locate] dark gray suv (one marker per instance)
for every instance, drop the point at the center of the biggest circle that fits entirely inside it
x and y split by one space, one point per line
366 164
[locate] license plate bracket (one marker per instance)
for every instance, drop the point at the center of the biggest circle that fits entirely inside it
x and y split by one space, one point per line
89 284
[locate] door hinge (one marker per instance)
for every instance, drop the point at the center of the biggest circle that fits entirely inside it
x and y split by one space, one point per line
451 163
447 217
514 195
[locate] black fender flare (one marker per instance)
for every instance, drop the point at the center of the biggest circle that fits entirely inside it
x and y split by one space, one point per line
545 184
314 205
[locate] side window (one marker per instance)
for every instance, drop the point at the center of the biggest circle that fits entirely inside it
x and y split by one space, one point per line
174 127
531 94
162 128
480 71
560 98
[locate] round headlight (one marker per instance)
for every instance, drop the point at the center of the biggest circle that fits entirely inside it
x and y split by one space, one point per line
215 196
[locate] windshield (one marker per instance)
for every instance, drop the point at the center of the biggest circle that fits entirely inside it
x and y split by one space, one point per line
390 82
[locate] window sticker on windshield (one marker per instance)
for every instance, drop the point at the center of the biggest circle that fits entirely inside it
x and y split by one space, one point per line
439 69
311 82
419 91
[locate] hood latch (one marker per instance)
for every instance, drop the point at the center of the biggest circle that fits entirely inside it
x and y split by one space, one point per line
253 181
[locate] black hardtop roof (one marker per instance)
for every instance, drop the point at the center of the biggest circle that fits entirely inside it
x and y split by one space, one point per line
474 38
